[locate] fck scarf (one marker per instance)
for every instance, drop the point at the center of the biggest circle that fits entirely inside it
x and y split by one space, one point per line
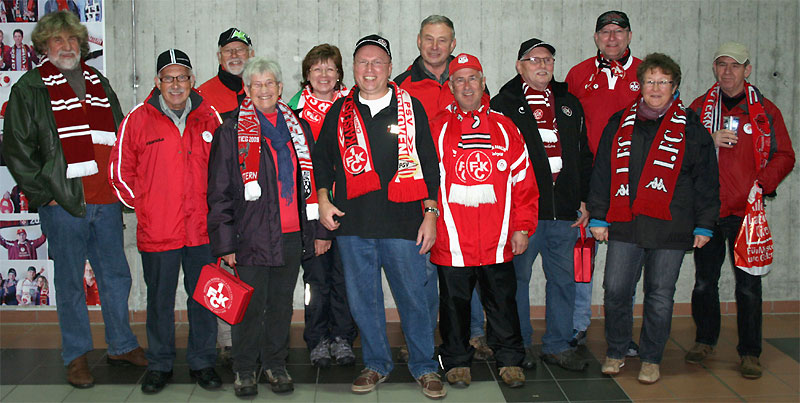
660 173
249 146
712 117
76 130
614 66
407 184
315 109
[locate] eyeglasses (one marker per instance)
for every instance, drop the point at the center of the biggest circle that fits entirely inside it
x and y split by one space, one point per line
537 60
257 85
378 64
662 83
235 51
169 79
459 81
608 32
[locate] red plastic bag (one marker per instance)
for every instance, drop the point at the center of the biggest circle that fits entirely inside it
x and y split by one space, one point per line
753 249
222 293
583 256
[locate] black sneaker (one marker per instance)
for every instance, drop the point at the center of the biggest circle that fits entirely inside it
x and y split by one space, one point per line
279 380
321 354
530 358
579 339
207 378
341 350
566 359
154 381
245 384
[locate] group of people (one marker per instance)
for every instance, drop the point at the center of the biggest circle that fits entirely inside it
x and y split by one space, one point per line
452 192
34 289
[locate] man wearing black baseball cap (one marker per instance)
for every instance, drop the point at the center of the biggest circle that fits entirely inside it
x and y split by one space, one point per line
225 91
605 84
376 148
159 166
551 122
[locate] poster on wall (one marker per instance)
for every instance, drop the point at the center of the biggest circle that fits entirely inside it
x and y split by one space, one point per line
26 274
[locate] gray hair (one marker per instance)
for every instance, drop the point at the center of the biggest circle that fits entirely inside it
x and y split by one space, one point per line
437 19
260 65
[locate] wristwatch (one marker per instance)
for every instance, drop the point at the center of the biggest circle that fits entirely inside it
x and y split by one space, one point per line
433 210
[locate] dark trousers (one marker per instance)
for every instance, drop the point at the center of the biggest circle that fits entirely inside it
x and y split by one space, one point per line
327 314
708 262
497 291
161 276
263 332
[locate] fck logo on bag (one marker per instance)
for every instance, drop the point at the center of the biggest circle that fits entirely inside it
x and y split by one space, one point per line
217 295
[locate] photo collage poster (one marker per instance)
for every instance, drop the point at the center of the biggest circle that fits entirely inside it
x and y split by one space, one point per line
26 273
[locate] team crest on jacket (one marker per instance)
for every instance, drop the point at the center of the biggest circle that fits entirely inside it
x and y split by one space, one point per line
474 166
355 159
502 165
567 111
747 128
207 136
634 86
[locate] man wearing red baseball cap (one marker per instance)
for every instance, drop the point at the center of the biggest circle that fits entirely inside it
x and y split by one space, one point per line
22 248
486 170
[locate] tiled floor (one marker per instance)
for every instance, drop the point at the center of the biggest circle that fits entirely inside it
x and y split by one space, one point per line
31 370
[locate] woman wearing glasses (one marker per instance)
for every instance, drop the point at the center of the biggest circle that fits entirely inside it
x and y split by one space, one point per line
654 195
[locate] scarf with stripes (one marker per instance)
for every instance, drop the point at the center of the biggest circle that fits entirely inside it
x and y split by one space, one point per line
80 123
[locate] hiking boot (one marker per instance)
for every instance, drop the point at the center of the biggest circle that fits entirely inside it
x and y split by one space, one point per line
342 351
579 339
459 377
611 366
512 376
566 359
402 355
649 373
432 386
279 380
367 381
207 378
78 374
698 353
482 350
530 358
633 350
321 354
751 367
134 357
245 384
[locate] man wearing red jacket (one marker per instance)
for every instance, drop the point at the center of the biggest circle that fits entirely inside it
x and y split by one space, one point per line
225 91
489 205
159 166
757 149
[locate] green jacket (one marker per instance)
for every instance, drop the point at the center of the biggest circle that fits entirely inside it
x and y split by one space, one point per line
32 149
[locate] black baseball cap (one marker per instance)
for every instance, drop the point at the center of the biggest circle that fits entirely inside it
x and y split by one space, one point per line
375 40
170 57
612 17
233 35
533 43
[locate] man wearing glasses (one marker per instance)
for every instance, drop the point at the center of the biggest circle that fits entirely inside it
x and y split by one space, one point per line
225 91
605 84
551 122
159 166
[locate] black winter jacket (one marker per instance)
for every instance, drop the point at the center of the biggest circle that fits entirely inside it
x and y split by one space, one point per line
562 200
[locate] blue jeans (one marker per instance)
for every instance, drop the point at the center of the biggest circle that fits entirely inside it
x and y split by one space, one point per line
432 289
624 263
97 237
582 317
555 240
405 271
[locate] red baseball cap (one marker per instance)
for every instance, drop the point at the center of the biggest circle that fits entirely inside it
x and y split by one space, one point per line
22 231
464 61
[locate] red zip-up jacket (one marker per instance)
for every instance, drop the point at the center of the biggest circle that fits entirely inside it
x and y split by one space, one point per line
163 175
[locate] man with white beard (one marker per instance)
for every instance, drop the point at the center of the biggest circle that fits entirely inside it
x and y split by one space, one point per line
225 91
60 124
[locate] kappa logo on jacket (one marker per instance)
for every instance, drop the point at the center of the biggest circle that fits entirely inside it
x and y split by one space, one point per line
657 184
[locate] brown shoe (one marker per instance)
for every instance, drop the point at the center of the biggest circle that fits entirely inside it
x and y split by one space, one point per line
482 350
134 357
649 374
432 386
698 353
78 374
751 367
459 377
367 381
512 376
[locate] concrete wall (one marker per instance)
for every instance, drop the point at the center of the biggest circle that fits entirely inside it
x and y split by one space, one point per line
689 31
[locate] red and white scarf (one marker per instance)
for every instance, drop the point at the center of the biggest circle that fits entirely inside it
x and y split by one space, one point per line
712 118
407 184
24 51
615 67
79 127
315 109
541 104
249 145
661 169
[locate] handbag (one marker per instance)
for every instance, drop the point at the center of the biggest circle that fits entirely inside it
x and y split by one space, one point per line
753 249
222 293
583 256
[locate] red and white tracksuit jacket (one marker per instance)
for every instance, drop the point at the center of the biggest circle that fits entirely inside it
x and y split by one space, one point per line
481 235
